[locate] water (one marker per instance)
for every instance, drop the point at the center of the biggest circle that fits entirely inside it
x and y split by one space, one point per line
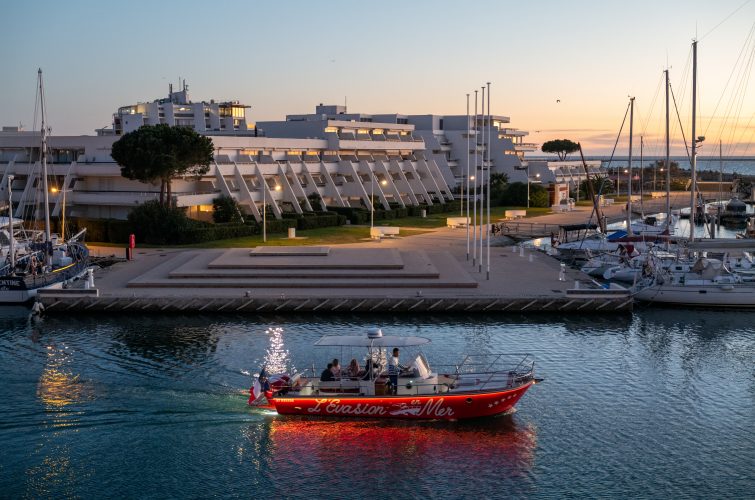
740 165
657 404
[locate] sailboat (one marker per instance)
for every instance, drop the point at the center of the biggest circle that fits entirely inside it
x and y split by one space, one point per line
701 282
32 260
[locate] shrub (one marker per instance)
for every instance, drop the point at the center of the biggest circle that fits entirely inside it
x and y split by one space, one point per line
226 209
159 224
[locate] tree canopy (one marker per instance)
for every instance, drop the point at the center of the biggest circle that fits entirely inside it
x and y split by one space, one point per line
561 147
161 152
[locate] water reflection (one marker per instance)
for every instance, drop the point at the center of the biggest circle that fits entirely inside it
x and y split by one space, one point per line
58 387
420 450
276 356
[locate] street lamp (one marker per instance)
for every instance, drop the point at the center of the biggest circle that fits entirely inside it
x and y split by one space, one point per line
372 198
55 190
264 208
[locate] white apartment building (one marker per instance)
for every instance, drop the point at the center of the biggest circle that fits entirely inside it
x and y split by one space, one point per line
342 159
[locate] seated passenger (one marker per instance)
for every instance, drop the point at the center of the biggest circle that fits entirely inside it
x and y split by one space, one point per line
336 369
327 374
353 369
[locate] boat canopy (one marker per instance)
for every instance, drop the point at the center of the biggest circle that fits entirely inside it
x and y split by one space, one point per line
365 341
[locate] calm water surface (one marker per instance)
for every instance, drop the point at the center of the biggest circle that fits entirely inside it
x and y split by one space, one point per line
657 404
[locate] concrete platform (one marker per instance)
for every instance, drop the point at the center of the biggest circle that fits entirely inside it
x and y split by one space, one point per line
429 272
417 269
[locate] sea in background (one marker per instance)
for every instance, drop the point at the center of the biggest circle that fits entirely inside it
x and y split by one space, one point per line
743 165
740 165
659 403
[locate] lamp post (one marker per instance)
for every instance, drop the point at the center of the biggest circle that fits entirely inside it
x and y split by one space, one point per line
372 197
528 185
55 190
264 208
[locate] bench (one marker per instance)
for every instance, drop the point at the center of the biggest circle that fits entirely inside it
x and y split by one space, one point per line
607 201
378 232
515 214
455 222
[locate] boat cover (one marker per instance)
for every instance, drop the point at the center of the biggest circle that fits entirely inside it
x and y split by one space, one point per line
365 341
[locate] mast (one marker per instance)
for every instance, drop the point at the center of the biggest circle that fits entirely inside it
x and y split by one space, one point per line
642 177
43 157
629 177
668 156
693 164
12 241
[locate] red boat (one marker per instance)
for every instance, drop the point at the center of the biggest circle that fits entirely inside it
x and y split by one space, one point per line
479 386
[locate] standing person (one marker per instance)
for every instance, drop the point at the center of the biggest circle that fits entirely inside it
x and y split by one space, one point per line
394 368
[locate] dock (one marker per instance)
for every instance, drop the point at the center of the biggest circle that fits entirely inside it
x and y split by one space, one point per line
423 273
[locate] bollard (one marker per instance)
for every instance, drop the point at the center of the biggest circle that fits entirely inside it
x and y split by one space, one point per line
576 284
562 272
90 279
513 248
521 251
531 258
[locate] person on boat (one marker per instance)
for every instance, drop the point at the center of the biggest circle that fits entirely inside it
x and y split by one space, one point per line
327 374
353 369
336 369
394 369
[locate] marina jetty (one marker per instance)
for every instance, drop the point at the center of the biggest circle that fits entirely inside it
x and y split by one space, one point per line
423 273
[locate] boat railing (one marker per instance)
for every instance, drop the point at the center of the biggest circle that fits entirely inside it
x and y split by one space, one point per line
490 370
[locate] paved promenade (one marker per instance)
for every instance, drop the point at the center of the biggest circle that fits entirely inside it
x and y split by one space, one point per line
427 272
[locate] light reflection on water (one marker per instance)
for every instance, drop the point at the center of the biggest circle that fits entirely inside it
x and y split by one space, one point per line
660 400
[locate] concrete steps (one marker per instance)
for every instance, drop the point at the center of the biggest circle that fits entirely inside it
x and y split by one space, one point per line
337 268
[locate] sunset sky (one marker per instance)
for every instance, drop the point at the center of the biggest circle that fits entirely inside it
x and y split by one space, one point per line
411 57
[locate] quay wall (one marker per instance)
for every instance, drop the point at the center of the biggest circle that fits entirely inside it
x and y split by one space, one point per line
55 304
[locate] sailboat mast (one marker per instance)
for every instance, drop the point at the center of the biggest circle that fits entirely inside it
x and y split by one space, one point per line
629 170
693 164
668 155
11 239
43 158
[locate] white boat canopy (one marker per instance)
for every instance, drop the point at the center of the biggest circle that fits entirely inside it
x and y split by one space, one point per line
365 341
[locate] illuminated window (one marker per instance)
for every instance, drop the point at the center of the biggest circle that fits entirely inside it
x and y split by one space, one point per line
331 129
377 131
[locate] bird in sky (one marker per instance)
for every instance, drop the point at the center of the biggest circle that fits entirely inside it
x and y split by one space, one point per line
558 100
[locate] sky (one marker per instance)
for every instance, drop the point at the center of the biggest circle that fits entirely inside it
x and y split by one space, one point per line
557 69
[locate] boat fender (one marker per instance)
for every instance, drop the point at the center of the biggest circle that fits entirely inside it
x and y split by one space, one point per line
37 309
469 401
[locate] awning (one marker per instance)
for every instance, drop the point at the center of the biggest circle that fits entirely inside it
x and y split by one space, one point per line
365 341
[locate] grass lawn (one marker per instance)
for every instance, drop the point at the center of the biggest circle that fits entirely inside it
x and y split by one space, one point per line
321 236
439 220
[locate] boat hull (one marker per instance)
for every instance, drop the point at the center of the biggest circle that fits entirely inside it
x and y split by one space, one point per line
715 296
454 406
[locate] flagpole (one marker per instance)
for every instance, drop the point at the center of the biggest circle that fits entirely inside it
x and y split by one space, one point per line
474 197
488 227
482 178
467 181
